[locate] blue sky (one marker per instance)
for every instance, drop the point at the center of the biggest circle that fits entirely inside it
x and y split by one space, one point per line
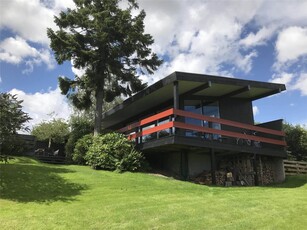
253 40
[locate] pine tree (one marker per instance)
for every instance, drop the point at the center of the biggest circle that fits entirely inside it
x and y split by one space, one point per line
110 44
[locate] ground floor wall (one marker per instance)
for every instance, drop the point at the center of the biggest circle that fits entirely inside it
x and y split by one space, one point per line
180 164
244 169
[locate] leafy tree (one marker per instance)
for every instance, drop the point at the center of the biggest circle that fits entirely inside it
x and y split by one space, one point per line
110 44
80 125
55 130
296 138
12 119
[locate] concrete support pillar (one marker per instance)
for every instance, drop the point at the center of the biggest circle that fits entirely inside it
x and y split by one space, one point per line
184 165
279 170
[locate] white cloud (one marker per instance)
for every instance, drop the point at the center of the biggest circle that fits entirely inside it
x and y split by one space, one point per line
291 44
13 50
292 81
17 50
255 110
260 38
282 13
196 37
40 105
60 5
30 19
204 36
283 78
301 84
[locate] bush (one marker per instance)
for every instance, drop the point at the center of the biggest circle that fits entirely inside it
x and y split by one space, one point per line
113 151
81 148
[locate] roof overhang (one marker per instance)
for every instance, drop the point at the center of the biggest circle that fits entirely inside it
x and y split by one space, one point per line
194 86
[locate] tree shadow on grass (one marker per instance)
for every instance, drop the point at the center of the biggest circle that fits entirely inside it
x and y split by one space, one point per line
23 160
32 183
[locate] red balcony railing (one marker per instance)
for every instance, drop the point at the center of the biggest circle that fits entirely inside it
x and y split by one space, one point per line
137 129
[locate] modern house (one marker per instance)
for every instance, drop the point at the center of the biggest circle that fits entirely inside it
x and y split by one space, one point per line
202 127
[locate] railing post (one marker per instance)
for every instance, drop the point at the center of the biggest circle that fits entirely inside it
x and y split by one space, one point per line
139 129
157 124
170 118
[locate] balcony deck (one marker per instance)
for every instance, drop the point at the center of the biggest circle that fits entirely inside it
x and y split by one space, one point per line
168 131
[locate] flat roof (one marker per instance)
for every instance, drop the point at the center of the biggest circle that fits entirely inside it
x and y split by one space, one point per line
194 85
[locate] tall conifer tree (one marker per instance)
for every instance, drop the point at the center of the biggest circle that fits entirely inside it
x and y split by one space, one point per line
110 44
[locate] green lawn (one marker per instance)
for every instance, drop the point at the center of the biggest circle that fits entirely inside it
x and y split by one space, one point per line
41 196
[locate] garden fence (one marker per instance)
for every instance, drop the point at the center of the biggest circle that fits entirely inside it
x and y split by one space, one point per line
295 167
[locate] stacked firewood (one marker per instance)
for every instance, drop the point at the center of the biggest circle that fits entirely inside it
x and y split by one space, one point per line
206 178
241 168
242 171
203 178
265 171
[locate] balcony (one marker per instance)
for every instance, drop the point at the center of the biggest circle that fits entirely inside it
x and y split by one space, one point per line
170 128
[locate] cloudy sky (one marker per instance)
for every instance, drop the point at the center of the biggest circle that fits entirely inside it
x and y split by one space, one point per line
263 40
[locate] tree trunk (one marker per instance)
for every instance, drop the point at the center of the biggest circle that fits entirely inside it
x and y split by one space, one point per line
49 143
98 112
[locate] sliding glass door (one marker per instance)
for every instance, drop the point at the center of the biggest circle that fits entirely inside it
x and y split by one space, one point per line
207 108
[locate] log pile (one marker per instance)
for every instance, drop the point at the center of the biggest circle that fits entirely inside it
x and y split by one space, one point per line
265 171
242 169
206 178
203 178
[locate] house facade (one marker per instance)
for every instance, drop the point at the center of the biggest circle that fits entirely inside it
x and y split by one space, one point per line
201 128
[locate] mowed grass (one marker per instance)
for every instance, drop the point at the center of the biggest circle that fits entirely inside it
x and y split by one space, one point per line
42 196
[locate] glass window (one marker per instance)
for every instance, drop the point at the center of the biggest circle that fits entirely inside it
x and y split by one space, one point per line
205 108
193 106
212 110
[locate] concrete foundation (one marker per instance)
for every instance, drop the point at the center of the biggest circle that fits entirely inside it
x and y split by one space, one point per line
187 165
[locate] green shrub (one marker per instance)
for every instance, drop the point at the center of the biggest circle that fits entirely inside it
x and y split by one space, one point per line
81 147
113 151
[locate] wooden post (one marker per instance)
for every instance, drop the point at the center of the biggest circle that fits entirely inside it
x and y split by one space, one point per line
157 133
170 118
139 129
213 166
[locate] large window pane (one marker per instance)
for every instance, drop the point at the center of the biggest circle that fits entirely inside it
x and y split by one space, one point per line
205 108
193 106
212 110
